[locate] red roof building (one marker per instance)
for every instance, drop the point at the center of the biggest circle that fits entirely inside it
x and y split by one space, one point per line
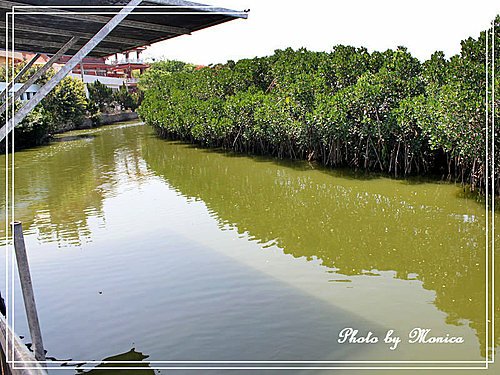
124 66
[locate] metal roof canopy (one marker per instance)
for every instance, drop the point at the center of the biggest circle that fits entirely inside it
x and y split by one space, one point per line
54 27
69 31
46 33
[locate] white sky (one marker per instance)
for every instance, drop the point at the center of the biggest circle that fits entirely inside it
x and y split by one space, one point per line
423 26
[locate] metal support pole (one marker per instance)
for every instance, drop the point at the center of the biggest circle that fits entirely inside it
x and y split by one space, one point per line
27 288
82 76
20 74
36 76
82 73
84 51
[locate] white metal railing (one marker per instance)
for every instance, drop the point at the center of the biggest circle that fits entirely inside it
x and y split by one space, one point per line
127 61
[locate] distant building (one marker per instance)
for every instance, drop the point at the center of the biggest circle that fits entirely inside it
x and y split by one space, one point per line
122 66
20 57
115 71
25 96
17 58
114 83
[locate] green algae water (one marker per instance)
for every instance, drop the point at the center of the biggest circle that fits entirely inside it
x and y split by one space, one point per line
151 250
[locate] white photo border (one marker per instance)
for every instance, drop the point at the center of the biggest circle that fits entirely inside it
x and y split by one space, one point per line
10 248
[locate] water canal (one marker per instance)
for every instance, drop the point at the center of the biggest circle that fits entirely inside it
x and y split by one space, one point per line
147 247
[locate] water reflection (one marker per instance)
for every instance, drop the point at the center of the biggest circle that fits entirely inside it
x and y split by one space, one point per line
355 226
419 230
58 188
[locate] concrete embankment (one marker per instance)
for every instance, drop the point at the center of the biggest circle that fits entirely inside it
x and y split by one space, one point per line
104 119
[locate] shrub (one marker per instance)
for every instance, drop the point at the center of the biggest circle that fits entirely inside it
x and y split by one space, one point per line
125 99
100 97
67 102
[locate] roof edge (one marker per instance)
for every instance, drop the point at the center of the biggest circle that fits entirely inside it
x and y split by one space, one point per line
202 7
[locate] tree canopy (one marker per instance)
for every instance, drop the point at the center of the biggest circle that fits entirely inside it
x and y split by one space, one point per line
381 111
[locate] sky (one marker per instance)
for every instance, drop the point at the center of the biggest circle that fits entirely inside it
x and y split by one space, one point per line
423 26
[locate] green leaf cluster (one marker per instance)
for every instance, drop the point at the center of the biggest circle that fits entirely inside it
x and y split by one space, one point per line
65 104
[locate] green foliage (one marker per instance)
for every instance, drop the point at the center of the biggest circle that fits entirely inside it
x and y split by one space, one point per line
381 111
100 97
26 75
162 68
138 97
125 98
33 130
67 102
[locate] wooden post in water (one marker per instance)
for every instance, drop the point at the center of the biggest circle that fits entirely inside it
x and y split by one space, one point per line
27 288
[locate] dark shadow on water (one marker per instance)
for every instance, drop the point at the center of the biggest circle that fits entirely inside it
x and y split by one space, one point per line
53 140
295 164
303 165
340 172
70 138
131 355
466 193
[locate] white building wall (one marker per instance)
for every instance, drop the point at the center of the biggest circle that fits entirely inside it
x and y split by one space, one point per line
27 95
111 82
